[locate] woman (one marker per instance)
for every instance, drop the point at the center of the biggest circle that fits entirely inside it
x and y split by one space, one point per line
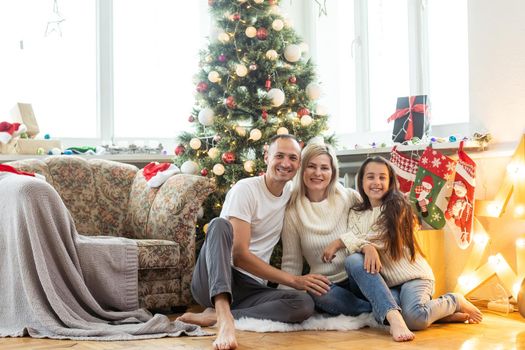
316 216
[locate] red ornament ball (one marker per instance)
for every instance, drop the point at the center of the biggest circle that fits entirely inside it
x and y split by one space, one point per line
228 157
191 119
261 33
236 17
264 115
202 87
301 143
204 172
303 111
179 150
230 102
292 79
221 57
210 2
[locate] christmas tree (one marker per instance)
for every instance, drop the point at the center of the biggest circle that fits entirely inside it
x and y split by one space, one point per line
253 83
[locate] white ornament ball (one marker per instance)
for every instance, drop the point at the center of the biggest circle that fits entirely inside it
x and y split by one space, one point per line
195 143
213 152
321 110
272 55
276 96
313 91
218 169
292 53
189 167
319 140
56 151
223 37
241 70
251 32
214 76
277 25
275 10
306 120
206 116
258 1
249 166
282 130
255 134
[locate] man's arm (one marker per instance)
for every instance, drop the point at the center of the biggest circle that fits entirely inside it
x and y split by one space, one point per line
245 259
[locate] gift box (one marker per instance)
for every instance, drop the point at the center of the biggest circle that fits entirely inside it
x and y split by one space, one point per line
411 119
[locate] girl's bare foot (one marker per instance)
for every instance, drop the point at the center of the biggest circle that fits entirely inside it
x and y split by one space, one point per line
465 306
206 318
398 327
456 317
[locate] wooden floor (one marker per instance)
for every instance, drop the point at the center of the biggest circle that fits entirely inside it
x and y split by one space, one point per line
496 332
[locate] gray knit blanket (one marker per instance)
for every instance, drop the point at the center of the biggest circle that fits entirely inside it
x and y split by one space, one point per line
58 284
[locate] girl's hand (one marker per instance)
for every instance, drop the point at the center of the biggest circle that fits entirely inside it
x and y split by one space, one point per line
331 249
372 261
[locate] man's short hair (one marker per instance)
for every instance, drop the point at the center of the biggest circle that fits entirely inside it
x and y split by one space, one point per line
281 136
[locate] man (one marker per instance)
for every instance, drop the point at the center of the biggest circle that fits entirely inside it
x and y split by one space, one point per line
246 233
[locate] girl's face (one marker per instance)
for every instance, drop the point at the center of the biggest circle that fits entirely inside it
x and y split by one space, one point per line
318 174
375 182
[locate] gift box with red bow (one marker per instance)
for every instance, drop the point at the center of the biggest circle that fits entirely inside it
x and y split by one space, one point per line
411 118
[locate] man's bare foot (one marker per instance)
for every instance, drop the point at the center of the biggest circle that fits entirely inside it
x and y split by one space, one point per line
398 327
207 318
465 306
456 317
226 334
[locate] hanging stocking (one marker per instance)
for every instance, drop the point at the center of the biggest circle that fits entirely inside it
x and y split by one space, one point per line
460 208
429 191
405 169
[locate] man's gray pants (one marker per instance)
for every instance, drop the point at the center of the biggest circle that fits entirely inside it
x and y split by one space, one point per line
214 275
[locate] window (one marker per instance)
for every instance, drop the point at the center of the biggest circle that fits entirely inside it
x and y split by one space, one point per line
396 48
112 69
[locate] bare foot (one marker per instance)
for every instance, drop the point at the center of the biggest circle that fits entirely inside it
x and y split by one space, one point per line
398 327
456 317
226 334
207 318
465 306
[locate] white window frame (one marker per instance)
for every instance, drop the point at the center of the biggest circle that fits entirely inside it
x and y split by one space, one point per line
418 69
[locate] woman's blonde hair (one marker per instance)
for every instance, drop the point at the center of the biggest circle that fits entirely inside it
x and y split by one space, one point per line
313 150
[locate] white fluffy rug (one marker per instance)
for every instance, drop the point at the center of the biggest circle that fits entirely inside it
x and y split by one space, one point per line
316 322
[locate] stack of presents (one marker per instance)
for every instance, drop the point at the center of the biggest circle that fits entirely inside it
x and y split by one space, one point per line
19 135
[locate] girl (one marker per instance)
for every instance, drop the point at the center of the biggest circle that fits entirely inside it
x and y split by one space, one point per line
382 227
317 215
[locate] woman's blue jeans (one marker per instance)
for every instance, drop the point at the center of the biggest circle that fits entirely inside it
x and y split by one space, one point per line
361 292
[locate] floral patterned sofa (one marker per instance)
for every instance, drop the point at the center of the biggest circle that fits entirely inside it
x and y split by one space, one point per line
111 198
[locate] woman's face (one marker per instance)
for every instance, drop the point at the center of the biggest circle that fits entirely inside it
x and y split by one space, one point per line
375 182
318 174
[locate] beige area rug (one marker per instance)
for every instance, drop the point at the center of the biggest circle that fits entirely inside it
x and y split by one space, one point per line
316 322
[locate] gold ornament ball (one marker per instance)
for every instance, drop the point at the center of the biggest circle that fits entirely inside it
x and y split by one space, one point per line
250 32
240 130
258 1
249 166
214 76
306 120
195 143
282 130
272 55
213 152
218 169
223 37
277 25
241 70
255 134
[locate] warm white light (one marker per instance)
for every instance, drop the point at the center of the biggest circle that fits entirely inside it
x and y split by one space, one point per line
519 210
494 209
516 170
495 261
520 243
481 239
468 282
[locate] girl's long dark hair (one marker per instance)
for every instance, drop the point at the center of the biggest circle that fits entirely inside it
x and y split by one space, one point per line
397 220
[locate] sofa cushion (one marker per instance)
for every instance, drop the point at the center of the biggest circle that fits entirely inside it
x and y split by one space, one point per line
158 254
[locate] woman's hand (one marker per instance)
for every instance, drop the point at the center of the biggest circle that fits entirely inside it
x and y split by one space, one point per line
372 261
331 249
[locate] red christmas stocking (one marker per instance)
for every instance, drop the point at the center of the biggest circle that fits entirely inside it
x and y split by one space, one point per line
405 169
429 191
460 210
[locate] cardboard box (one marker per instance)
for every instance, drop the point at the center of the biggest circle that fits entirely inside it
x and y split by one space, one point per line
8 148
23 113
411 119
30 146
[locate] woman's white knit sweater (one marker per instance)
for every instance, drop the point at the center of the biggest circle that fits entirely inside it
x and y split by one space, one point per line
309 227
361 230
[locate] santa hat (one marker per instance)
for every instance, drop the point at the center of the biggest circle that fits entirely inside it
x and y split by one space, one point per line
157 173
10 169
427 182
10 130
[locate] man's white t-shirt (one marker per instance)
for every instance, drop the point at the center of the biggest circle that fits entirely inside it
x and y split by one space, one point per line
251 201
